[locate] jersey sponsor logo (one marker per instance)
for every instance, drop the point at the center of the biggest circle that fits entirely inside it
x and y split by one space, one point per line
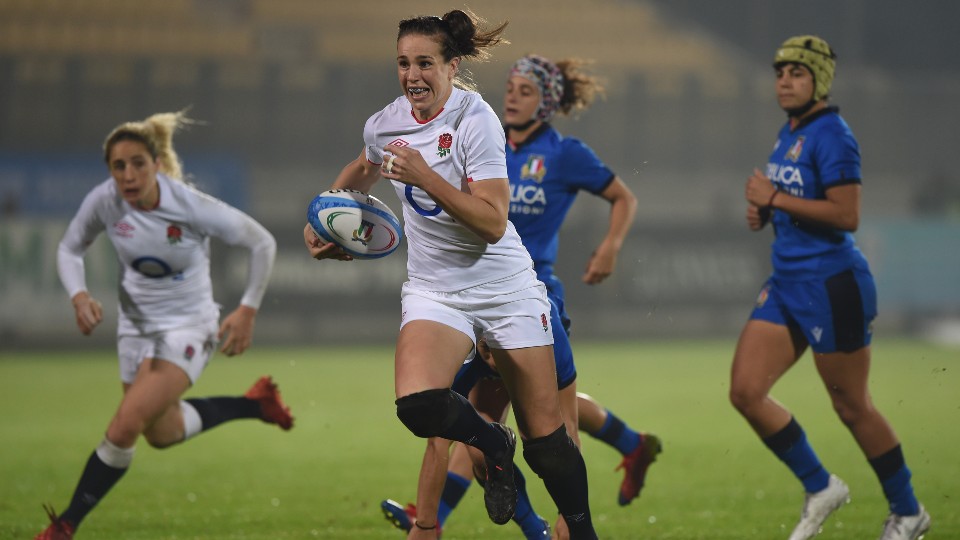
398 142
527 199
123 229
174 234
152 267
786 176
534 168
793 154
817 333
443 145
527 194
408 193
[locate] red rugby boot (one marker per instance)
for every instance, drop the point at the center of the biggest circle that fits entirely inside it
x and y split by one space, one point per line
272 408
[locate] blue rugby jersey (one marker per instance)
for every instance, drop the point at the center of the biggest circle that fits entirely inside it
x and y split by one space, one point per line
546 172
820 153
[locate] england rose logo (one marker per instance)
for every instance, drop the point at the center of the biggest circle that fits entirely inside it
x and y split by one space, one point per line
174 234
443 144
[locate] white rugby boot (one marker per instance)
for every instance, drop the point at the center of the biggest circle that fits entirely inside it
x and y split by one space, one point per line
818 506
898 527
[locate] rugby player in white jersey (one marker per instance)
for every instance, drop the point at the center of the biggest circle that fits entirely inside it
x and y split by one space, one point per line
469 276
168 328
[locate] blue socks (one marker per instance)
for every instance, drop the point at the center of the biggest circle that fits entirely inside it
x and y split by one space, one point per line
891 469
454 490
524 516
791 446
617 434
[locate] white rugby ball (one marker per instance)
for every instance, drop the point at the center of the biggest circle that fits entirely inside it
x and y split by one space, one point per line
359 223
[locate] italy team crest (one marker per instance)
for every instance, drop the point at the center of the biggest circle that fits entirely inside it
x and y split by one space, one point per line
364 232
534 168
793 154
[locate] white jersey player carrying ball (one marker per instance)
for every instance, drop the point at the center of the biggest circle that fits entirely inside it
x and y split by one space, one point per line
160 228
469 276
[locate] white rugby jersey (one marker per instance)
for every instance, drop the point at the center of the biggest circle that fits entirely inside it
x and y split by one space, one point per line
164 253
463 143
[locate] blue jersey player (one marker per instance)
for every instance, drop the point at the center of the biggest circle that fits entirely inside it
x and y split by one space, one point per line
546 172
821 294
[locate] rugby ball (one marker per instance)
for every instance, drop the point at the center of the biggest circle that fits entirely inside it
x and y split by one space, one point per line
359 223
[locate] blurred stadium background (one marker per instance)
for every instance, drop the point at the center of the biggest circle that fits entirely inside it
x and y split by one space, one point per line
284 87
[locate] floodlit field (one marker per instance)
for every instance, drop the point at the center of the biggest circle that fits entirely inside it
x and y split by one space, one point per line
347 452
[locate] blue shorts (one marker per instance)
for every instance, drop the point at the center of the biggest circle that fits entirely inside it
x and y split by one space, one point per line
834 314
477 369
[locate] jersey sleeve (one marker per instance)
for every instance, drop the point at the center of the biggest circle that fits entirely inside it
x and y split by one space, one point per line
83 229
374 153
483 143
214 217
838 159
582 168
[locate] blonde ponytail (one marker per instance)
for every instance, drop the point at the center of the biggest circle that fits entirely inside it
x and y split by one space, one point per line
156 133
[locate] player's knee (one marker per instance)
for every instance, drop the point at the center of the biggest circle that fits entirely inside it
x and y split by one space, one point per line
745 397
429 413
124 432
551 455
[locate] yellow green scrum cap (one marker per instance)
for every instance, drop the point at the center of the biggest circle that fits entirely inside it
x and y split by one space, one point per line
816 55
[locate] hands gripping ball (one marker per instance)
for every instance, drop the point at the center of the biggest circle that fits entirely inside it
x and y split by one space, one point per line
359 223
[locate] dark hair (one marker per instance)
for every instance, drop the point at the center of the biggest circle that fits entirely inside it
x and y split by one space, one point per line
579 88
460 34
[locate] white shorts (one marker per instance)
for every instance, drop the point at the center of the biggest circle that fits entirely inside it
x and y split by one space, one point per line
189 348
507 320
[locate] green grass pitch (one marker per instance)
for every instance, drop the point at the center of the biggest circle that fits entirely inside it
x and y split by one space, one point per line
347 452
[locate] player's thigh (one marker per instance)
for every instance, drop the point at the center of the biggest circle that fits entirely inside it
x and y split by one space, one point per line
428 356
155 390
765 351
529 374
845 376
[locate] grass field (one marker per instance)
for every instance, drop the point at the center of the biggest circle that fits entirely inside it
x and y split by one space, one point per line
325 478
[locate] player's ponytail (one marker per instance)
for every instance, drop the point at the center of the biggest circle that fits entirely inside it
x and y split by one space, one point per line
156 134
579 88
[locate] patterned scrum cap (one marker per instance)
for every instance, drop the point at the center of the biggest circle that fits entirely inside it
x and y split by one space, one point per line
814 53
548 78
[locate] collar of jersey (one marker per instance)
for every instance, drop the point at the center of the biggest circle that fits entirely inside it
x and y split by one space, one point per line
833 109
427 121
533 136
